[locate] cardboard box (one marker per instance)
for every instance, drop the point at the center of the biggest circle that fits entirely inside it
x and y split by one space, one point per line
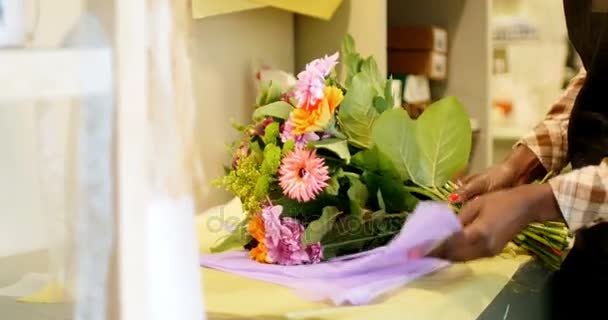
417 38
426 63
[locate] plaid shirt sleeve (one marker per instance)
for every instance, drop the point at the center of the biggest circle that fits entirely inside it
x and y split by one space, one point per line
582 194
549 139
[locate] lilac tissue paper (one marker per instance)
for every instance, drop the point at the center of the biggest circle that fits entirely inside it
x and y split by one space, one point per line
363 277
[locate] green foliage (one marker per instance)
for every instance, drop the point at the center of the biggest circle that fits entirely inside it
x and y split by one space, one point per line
271 133
268 95
394 135
444 141
289 146
358 196
333 185
371 73
308 211
317 229
272 160
337 146
242 182
430 150
262 186
357 113
351 60
278 109
237 239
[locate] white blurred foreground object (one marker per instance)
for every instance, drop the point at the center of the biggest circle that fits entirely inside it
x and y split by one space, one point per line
14 21
159 278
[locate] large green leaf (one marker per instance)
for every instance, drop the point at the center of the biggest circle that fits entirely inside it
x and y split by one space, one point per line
444 141
337 146
369 69
395 197
351 60
395 135
358 195
317 229
279 109
357 113
430 150
374 160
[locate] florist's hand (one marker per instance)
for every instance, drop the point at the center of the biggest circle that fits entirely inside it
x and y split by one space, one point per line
519 168
492 220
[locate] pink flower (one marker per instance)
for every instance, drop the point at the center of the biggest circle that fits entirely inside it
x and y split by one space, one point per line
301 140
315 252
311 81
303 175
309 88
284 239
324 65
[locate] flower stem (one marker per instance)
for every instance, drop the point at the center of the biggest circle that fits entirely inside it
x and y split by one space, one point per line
339 244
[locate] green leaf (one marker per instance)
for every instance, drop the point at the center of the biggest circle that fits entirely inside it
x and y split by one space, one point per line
237 239
351 60
337 146
348 44
274 94
444 141
395 135
317 229
268 94
376 161
395 197
369 69
388 93
358 196
262 95
279 109
357 114
380 104
333 185
381 203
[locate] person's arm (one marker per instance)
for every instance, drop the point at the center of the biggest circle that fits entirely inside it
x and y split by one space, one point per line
549 139
544 149
582 196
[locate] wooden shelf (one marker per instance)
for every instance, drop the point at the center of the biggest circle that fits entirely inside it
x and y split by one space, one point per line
33 74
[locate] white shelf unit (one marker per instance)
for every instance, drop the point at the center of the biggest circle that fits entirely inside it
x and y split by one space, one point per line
33 74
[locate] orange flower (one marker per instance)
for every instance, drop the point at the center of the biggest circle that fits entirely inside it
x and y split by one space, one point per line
256 229
259 253
317 117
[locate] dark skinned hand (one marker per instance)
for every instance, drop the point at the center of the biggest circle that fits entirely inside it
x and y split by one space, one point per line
519 168
492 220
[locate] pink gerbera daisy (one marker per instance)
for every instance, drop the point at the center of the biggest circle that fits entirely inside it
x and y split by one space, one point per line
303 175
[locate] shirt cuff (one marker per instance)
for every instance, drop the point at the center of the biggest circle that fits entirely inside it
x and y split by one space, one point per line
582 196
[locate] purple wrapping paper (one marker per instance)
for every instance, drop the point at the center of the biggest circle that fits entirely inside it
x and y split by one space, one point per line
361 278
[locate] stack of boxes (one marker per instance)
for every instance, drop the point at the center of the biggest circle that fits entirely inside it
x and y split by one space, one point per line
418 50
417 55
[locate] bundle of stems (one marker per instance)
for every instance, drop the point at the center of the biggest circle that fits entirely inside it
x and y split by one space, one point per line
547 241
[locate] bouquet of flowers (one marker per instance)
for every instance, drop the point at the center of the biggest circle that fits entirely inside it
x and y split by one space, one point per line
330 168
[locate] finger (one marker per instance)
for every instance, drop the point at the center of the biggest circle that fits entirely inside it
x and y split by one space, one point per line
472 188
469 212
469 246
